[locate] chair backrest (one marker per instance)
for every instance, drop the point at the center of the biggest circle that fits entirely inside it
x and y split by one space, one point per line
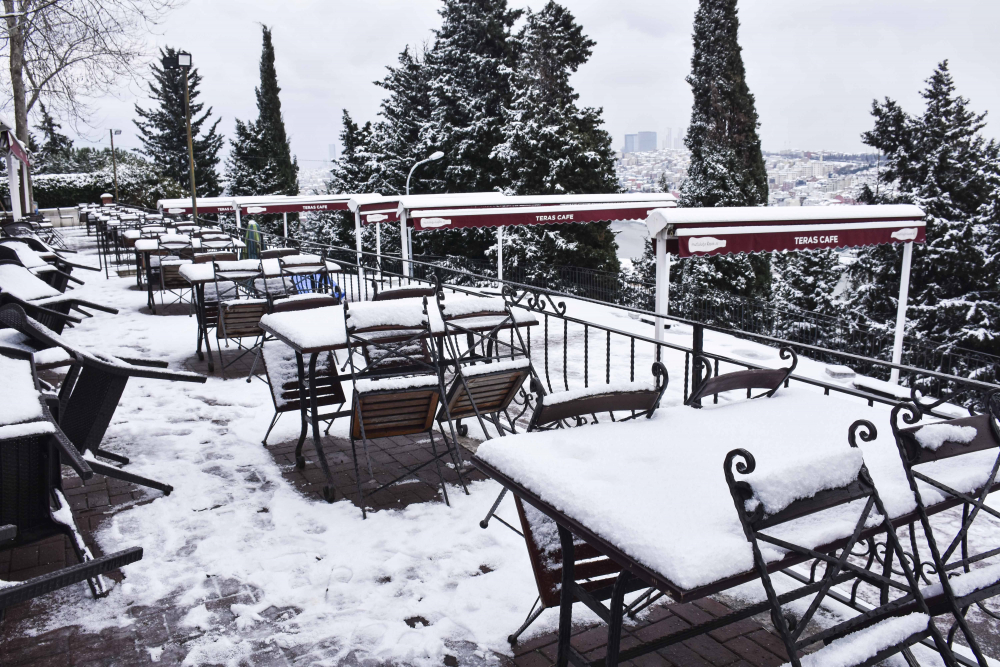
392 337
306 302
760 378
404 292
305 274
282 374
580 406
274 253
206 257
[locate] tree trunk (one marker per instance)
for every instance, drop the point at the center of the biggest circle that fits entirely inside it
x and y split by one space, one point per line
15 25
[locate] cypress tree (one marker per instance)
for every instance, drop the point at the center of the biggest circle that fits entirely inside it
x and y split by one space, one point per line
163 129
941 162
727 165
551 146
261 162
55 154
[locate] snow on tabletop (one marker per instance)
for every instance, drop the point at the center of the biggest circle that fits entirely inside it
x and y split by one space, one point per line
779 487
22 284
596 390
396 383
966 583
28 257
933 436
495 367
458 306
677 519
859 646
398 312
309 329
195 273
18 396
27 429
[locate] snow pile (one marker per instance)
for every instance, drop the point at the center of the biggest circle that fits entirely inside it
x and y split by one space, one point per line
396 383
20 283
778 488
404 313
933 436
496 367
596 390
28 257
18 397
966 583
859 646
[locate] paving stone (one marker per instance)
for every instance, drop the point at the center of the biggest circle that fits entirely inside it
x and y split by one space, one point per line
753 652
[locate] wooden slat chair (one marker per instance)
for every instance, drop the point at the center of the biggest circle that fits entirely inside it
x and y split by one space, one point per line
238 317
281 371
758 378
32 451
965 577
307 274
404 292
45 303
91 390
592 569
771 519
399 389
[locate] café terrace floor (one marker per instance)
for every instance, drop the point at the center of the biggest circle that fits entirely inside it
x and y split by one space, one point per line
200 608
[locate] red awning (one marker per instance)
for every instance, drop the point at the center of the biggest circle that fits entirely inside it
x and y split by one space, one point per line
14 146
725 230
205 205
258 204
424 212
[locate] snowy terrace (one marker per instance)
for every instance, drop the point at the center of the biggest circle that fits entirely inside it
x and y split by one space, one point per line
248 560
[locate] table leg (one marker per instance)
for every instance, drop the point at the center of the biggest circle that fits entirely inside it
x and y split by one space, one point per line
138 268
615 621
566 597
329 491
150 301
199 299
300 461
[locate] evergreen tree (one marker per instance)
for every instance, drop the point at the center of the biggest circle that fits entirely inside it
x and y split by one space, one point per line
941 162
163 129
55 154
261 162
353 172
806 281
551 146
727 165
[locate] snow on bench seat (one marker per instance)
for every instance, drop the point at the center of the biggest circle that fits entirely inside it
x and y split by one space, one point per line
28 257
396 383
22 284
966 583
18 396
27 430
863 645
678 517
495 367
558 397
778 488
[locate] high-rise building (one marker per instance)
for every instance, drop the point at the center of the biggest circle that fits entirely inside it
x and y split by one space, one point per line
630 143
679 139
668 141
333 151
647 141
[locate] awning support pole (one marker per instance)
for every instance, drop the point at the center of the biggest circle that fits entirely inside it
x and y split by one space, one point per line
904 293
404 251
29 205
662 299
14 187
378 245
500 254
357 244
285 224
239 223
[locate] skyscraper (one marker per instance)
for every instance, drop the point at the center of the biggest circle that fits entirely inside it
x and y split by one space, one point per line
679 139
668 141
647 141
630 143
333 151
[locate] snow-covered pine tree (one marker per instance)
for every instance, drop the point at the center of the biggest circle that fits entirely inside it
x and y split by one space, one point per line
55 153
805 282
163 129
261 162
941 162
727 166
352 173
468 73
551 146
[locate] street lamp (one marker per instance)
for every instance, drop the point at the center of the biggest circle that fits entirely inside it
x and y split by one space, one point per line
437 155
404 232
114 160
182 61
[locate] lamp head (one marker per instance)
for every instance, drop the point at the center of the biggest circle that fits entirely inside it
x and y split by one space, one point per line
436 155
184 59
170 62
117 132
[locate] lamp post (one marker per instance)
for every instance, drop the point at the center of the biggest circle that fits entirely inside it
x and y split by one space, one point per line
114 160
182 61
404 233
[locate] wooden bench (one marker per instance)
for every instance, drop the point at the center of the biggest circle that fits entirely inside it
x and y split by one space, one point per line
757 378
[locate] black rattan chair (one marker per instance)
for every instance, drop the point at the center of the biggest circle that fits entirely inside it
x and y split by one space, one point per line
41 300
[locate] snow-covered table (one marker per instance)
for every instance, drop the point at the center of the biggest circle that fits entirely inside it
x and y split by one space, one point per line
652 496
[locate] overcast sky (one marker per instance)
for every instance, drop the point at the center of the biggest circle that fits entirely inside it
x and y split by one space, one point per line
813 66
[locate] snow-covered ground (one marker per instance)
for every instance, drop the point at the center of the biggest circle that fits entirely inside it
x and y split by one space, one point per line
354 582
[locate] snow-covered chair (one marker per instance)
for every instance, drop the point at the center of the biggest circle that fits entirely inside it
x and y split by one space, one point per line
819 509
44 261
954 462
757 378
238 307
398 390
32 449
42 301
403 292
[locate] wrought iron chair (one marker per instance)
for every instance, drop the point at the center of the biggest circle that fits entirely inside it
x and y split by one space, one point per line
89 394
281 370
398 390
238 306
965 577
404 292
307 274
31 454
758 378
771 519
592 569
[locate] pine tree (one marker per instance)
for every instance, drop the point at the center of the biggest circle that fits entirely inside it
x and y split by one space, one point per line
551 146
806 281
727 165
941 162
55 154
261 162
163 129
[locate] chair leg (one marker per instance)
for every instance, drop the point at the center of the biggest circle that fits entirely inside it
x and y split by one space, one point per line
456 459
357 476
97 587
536 610
437 464
274 420
493 510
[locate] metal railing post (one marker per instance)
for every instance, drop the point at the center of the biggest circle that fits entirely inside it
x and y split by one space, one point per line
697 347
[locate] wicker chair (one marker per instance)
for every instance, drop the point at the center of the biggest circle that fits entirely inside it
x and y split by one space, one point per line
45 303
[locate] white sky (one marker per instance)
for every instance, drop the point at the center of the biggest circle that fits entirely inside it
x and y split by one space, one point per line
814 66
